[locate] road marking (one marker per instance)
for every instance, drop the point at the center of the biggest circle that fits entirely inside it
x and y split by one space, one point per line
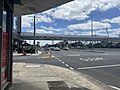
95 67
114 87
32 66
60 60
71 68
105 54
92 59
47 57
67 65
74 55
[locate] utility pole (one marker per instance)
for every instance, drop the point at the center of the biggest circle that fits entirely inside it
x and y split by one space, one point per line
91 17
34 31
107 36
119 34
107 32
34 26
92 30
53 42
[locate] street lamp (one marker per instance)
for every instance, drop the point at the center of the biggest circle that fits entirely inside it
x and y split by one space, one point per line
92 30
107 36
91 17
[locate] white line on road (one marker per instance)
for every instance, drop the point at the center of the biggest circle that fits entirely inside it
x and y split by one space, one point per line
71 68
67 65
106 54
114 87
92 59
74 55
95 67
60 60
32 66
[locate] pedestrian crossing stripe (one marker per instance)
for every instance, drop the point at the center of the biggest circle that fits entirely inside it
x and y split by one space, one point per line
47 57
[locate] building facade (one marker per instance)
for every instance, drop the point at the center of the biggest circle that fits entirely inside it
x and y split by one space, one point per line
6 21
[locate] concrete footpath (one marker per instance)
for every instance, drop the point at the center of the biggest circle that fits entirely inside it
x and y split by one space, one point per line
28 76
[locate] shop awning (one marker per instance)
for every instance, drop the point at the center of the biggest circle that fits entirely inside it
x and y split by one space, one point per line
36 6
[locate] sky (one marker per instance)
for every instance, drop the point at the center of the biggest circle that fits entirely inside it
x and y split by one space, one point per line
74 18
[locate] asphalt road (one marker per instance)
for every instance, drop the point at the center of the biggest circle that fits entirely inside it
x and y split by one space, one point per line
104 67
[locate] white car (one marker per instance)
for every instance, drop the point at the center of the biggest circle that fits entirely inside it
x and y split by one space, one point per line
66 48
56 49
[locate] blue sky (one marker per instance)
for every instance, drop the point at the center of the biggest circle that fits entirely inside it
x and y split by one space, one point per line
74 18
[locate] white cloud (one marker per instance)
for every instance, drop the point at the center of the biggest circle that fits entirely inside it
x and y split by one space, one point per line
44 18
115 32
112 32
107 4
85 33
53 29
40 31
39 18
72 33
113 20
28 19
26 24
106 20
87 26
49 30
74 9
80 33
101 31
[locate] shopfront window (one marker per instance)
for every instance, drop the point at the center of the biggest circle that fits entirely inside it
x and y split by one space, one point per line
14 24
4 20
4 51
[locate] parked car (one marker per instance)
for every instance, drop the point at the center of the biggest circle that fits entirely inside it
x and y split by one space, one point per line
78 47
52 48
56 49
30 49
66 48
